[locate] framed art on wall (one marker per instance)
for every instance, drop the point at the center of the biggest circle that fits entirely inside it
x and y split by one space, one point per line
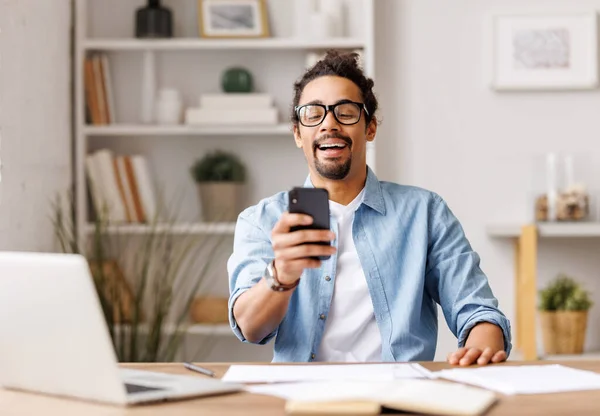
544 52
233 18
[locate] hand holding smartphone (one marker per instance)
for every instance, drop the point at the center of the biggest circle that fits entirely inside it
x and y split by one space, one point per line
313 202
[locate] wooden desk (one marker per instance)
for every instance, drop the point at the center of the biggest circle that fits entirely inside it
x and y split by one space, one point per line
245 404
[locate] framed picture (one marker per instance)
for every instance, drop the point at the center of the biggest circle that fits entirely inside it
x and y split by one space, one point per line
233 18
544 52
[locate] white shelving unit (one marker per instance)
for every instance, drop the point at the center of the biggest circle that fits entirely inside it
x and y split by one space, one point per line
193 65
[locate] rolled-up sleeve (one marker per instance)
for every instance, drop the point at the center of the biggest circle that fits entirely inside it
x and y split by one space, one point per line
252 251
455 279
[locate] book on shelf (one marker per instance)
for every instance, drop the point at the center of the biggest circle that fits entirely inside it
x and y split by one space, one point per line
233 109
99 99
121 187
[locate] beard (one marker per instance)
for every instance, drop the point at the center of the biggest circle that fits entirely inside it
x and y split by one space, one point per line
333 169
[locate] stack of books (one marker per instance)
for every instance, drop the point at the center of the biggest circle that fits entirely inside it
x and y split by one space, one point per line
233 109
100 107
121 189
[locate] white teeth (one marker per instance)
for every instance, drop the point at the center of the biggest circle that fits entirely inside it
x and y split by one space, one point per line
330 146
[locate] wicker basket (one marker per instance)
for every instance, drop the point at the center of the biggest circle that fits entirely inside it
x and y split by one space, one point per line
209 310
564 331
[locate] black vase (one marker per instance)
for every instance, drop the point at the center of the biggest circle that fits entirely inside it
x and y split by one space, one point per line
153 21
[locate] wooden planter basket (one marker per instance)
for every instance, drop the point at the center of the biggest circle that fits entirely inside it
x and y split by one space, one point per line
563 331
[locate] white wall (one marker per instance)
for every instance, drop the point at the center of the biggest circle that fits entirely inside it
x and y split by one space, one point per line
35 130
443 129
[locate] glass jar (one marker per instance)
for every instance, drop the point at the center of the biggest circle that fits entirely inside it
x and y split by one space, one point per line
565 196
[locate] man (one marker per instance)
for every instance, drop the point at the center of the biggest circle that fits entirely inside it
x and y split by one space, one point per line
395 250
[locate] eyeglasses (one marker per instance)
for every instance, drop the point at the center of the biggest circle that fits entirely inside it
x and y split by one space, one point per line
346 113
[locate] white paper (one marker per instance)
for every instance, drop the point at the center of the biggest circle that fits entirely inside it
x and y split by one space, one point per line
291 373
437 396
531 379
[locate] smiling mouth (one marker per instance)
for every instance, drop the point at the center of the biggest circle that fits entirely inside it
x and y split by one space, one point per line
336 146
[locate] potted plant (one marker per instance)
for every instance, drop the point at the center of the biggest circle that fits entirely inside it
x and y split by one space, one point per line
220 178
564 309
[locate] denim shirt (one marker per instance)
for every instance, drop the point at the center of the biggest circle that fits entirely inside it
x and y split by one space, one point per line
414 255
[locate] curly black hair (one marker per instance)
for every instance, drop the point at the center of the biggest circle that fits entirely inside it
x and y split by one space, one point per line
345 65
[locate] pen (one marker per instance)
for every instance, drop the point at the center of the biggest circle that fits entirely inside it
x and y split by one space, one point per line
201 370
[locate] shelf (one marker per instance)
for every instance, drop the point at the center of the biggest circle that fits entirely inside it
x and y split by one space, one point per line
182 130
194 329
176 229
504 230
219 44
206 329
566 230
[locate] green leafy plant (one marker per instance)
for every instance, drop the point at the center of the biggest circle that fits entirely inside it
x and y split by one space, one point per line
146 306
564 294
218 166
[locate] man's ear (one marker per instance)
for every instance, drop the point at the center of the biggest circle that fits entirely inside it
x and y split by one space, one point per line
297 137
372 130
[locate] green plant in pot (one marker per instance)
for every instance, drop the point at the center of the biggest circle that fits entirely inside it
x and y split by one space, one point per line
564 307
220 178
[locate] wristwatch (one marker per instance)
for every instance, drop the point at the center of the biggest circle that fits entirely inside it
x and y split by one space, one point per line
271 278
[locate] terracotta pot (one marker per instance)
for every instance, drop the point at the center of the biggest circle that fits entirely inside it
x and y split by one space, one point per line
209 310
563 332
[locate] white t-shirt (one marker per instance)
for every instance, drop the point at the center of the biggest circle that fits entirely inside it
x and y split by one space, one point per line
351 332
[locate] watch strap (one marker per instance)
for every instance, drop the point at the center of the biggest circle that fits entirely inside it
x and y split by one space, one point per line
276 285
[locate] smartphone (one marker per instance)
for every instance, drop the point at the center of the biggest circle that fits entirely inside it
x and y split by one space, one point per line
313 202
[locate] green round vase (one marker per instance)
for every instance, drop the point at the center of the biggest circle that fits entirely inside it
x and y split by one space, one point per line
237 80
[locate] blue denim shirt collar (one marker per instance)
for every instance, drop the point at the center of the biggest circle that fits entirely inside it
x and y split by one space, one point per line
373 192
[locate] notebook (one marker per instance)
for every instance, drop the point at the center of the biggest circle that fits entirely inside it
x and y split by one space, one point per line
365 398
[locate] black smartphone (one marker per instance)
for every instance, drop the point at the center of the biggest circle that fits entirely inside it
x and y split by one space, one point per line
313 202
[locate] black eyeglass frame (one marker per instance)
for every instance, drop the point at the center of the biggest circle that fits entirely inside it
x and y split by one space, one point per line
331 108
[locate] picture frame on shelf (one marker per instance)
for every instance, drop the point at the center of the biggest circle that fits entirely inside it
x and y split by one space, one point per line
233 18
544 52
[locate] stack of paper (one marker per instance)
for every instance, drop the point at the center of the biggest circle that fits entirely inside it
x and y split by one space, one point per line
530 379
295 373
236 109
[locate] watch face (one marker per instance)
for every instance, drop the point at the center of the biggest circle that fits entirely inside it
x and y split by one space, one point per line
270 276
270 269
272 280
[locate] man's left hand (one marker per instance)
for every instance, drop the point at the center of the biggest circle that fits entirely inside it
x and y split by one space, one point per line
484 345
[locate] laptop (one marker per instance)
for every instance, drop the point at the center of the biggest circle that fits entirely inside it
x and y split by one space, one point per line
55 339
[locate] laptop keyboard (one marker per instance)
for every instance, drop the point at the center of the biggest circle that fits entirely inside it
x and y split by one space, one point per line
136 388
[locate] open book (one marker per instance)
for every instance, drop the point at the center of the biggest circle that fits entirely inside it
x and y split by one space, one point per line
369 398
